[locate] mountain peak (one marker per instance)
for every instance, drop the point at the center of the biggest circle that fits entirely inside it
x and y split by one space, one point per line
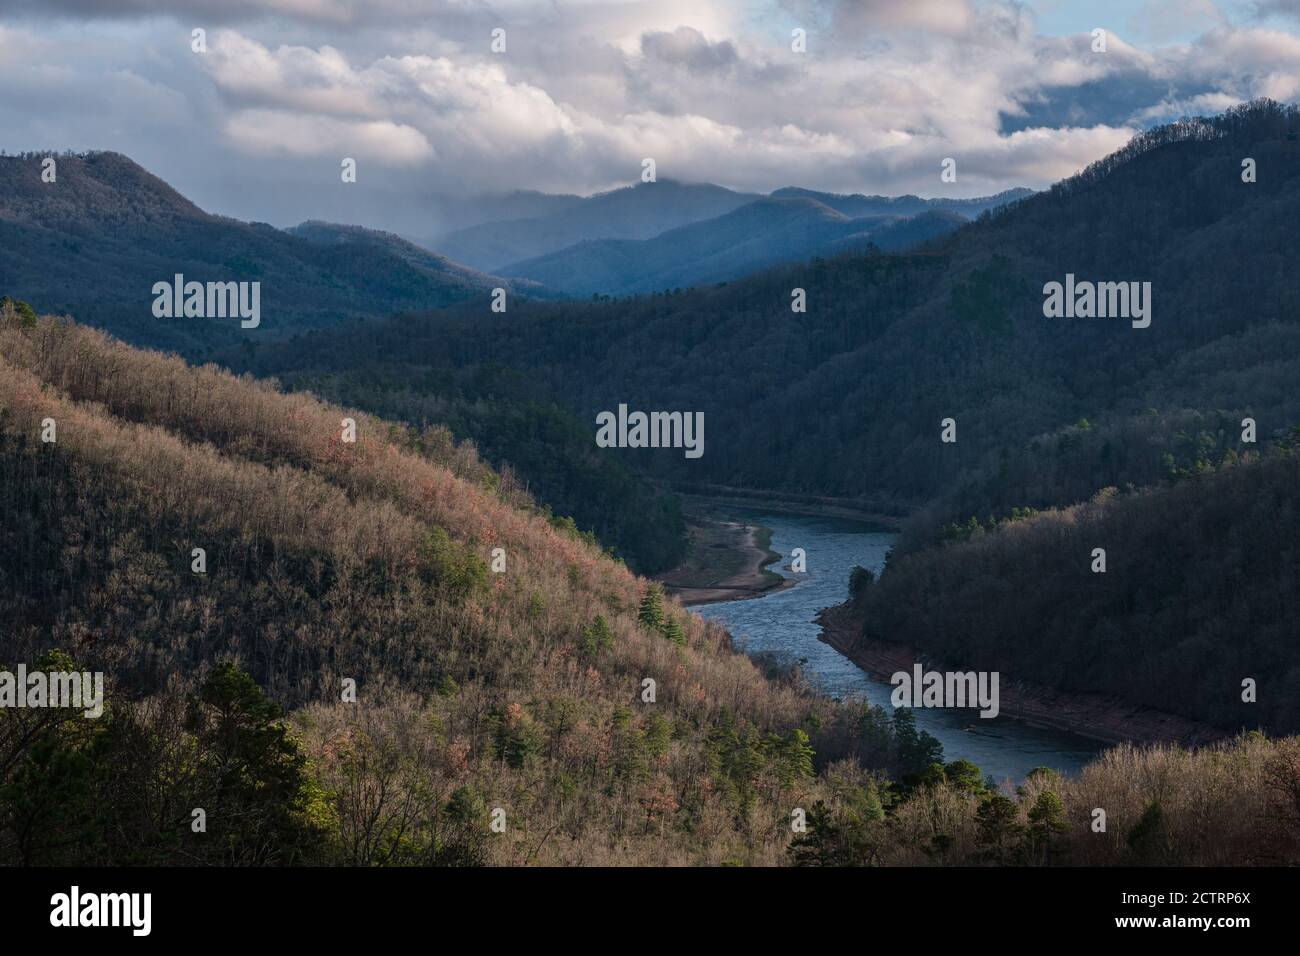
93 188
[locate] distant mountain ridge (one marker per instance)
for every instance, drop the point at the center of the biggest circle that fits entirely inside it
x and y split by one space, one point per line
654 236
857 205
93 242
754 236
640 211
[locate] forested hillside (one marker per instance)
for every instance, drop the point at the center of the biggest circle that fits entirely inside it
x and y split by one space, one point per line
325 561
1200 591
847 398
533 439
498 718
93 242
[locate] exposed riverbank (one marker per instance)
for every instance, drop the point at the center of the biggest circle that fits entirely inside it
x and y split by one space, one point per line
726 560
1088 715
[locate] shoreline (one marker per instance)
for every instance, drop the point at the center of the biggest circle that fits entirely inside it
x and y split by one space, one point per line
737 499
726 561
1103 719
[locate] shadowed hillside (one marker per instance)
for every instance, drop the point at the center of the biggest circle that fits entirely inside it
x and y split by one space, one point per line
93 243
1201 590
848 398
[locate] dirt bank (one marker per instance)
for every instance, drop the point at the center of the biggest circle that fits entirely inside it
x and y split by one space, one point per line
1089 715
725 561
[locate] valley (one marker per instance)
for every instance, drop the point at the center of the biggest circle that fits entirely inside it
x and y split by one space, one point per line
433 593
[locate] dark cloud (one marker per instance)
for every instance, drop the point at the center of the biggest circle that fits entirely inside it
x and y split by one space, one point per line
688 47
1116 100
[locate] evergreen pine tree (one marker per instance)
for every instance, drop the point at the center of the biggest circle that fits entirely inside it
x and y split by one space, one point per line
651 613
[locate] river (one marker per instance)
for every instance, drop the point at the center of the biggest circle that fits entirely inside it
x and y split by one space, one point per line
782 621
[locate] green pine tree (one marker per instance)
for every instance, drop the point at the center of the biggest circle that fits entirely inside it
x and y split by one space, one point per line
672 630
602 633
651 613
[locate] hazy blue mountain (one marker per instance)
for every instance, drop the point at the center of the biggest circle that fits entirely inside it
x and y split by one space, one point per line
744 240
633 212
455 213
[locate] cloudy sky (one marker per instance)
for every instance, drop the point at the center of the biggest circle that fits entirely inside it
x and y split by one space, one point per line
256 126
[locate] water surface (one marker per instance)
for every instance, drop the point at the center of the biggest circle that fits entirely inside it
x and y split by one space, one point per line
782 622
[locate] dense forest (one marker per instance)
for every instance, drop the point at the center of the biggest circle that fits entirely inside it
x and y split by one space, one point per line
847 398
1198 594
527 437
498 718
1088 433
326 561
237 566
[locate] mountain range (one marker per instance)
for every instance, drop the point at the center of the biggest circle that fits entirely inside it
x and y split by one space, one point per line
107 224
894 343
756 235
667 234
93 242
631 212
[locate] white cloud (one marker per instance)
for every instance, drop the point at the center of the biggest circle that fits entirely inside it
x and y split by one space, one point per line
275 133
586 90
